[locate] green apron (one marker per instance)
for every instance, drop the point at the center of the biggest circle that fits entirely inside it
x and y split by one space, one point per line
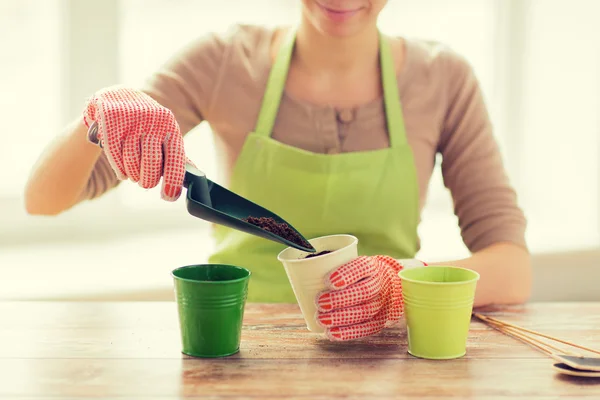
372 195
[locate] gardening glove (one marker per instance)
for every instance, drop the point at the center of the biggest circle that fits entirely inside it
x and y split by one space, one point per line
141 138
363 297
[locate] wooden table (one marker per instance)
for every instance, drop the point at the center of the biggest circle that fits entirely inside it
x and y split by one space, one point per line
131 350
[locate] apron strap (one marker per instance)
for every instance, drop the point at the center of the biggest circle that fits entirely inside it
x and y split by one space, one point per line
391 96
275 86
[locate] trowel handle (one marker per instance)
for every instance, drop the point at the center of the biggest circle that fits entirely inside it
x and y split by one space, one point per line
192 174
200 185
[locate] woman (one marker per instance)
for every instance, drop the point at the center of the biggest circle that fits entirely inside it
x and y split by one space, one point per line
308 123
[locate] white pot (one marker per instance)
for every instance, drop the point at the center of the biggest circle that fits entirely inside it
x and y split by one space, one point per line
307 275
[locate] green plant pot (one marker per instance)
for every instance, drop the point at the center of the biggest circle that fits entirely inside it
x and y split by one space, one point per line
211 299
438 302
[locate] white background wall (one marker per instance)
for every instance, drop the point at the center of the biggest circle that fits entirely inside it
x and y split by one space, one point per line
538 62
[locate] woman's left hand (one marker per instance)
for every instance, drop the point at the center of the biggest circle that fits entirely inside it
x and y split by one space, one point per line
363 297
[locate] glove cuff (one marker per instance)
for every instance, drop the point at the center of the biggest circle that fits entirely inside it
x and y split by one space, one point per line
409 263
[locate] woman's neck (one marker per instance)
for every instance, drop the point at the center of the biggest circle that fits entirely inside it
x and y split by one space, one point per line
321 54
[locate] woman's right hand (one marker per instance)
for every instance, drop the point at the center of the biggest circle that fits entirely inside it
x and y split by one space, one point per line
140 137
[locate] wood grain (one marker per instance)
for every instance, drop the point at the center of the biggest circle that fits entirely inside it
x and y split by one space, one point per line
284 377
131 350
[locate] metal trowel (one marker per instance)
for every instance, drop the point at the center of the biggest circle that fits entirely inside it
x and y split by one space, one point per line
211 202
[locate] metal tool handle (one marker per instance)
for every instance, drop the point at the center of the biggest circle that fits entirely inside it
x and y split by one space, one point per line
197 184
92 134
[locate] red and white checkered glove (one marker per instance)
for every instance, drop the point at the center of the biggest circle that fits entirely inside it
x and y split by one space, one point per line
141 138
363 297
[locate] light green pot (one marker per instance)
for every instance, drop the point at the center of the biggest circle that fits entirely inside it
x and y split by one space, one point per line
438 302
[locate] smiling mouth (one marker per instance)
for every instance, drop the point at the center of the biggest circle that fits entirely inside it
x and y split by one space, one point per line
339 12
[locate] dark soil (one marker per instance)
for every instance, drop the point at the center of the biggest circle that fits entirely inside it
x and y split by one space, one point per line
279 229
318 254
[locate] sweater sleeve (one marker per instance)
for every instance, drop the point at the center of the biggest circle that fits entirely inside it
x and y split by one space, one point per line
185 85
485 203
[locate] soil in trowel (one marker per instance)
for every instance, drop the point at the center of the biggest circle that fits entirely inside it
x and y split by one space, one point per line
280 229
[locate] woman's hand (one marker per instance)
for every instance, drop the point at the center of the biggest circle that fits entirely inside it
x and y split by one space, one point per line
141 138
363 297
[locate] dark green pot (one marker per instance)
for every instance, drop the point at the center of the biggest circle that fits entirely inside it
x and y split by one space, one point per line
210 300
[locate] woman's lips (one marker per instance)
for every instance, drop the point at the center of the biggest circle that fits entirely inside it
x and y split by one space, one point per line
338 15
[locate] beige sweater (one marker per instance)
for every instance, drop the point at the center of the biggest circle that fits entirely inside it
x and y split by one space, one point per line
220 78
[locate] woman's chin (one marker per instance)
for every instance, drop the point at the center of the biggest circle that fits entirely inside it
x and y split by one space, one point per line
348 19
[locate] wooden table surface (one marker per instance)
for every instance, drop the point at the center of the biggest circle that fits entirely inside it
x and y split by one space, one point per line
132 351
